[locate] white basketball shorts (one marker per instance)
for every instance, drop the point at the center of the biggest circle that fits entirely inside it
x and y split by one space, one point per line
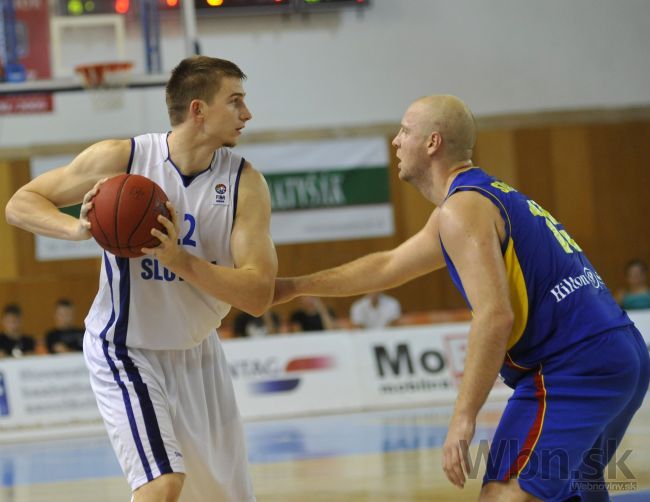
172 411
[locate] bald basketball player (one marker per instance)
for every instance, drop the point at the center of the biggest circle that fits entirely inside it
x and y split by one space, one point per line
542 317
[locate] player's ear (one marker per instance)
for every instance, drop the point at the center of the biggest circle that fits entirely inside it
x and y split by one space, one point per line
197 109
434 142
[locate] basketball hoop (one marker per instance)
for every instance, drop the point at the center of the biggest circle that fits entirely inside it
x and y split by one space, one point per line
106 82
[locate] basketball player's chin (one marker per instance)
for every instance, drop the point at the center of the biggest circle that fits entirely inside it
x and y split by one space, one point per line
230 144
403 176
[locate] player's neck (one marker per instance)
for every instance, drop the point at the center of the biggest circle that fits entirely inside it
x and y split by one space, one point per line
442 176
189 155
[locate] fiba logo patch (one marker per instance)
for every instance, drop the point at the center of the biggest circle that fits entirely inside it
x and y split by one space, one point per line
220 196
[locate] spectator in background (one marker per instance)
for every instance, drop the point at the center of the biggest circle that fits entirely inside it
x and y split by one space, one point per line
64 337
313 316
375 310
247 326
13 343
636 294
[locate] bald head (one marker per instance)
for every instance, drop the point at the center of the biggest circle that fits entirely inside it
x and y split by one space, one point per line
452 119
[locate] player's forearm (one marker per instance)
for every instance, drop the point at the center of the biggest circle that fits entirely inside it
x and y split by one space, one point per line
486 350
34 213
366 274
246 289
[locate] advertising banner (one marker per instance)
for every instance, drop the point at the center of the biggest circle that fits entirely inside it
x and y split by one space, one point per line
413 365
326 190
328 372
41 391
293 374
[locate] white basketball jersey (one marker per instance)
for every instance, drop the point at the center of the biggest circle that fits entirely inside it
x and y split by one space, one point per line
142 304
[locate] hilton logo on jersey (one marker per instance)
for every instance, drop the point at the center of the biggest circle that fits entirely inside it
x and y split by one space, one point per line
221 198
570 284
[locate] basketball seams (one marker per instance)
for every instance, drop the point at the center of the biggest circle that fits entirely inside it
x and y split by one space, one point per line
99 226
141 219
116 210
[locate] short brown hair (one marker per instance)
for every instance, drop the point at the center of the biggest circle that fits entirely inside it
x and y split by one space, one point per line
196 77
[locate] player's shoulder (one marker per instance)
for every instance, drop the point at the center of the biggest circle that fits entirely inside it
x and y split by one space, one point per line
252 176
465 213
113 151
107 157
463 204
112 147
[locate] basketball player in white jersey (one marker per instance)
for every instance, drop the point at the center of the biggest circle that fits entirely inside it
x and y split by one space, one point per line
156 365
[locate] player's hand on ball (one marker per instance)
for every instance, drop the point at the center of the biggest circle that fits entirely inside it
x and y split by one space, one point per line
83 230
168 249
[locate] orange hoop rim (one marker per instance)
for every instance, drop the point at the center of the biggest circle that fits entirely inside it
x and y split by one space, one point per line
94 74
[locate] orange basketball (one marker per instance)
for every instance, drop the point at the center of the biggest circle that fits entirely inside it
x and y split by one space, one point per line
124 211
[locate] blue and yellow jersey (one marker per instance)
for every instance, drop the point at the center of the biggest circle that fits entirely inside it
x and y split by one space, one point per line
557 296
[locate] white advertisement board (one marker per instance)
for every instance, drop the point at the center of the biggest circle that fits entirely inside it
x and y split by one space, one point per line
279 376
413 365
293 374
45 390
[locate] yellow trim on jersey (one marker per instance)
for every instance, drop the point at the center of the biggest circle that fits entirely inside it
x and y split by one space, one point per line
518 293
515 365
516 281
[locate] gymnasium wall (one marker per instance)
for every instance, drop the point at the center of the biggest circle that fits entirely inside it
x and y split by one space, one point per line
336 74
590 175
343 69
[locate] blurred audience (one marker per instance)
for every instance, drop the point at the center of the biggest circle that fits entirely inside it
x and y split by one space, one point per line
636 294
312 316
13 342
247 326
64 337
375 310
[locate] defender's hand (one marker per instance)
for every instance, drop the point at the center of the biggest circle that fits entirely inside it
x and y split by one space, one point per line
455 451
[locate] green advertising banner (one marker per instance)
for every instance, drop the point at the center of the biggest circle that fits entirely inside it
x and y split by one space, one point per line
326 190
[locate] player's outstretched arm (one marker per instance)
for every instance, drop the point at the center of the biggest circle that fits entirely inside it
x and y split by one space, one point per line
417 256
34 206
248 286
469 228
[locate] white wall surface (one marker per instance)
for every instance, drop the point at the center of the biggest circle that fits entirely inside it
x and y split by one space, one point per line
344 69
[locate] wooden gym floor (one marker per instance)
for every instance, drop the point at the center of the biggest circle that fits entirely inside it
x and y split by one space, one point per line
383 456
